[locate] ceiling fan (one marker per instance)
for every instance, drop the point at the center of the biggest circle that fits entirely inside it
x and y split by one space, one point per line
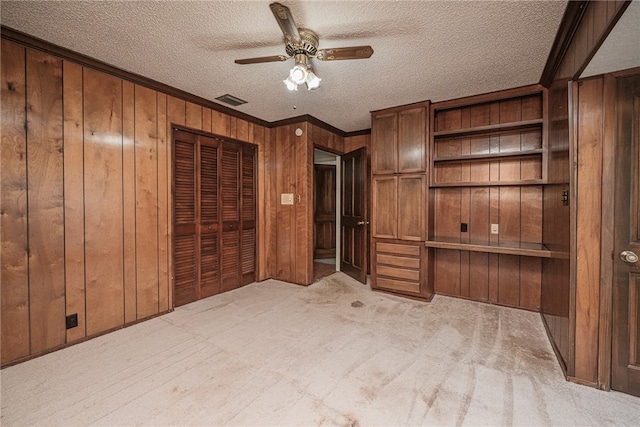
302 45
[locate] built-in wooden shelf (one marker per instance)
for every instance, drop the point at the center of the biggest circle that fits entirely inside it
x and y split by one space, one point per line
488 183
508 248
489 156
501 127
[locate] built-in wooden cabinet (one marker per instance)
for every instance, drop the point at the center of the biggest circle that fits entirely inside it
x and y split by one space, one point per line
399 201
399 206
488 167
401 140
400 267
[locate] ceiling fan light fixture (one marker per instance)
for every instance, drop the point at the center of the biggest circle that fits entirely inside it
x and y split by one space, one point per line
313 81
298 74
291 85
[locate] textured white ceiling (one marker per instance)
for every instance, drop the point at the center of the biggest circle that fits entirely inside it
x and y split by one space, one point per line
621 49
423 50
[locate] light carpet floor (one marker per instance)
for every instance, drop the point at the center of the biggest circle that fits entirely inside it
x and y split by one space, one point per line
334 353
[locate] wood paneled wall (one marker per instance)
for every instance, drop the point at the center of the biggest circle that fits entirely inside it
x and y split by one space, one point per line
354 142
292 229
554 298
86 218
498 278
570 299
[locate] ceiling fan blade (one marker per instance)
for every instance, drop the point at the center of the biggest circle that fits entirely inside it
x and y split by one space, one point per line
273 58
286 22
353 52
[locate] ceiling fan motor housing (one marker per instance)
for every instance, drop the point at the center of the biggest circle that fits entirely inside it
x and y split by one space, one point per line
308 43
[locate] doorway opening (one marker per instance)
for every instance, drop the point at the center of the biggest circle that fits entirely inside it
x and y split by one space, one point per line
326 214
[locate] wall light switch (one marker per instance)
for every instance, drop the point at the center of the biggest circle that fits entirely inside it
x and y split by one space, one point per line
494 228
286 199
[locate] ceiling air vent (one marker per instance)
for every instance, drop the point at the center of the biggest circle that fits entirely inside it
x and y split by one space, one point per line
231 100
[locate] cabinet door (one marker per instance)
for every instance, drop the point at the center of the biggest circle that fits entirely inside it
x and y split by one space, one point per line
412 140
411 207
385 207
384 142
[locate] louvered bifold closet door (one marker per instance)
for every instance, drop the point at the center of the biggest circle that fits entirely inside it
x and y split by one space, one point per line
248 209
230 192
210 279
185 235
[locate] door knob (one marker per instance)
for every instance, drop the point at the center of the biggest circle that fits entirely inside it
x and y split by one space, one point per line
629 257
360 222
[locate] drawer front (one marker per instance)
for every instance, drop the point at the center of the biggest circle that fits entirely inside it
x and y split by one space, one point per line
398 267
398 261
399 273
397 249
398 285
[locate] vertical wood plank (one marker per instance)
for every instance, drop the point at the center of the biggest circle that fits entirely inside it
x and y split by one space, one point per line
129 201
493 277
303 172
194 116
448 200
285 241
494 211
242 130
509 280
46 201
13 197
233 123
206 119
479 276
589 222
479 228
447 272
74 198
163 204
465 202
103 201
146 154
510 214
220 123
530 282
531 214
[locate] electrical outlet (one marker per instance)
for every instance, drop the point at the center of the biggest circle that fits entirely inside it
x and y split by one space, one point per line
494 228
72 320
286 199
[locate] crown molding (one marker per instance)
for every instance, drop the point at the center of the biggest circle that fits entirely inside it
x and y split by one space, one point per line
87 61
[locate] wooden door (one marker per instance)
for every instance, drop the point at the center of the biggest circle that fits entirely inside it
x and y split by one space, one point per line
196 217
384 136
626 291
209 224
354 214
214 216
411 140
324 216
248 213
384 201
185 258
231 231
411 207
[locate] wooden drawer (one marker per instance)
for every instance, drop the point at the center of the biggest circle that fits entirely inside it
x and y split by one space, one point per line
400 267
